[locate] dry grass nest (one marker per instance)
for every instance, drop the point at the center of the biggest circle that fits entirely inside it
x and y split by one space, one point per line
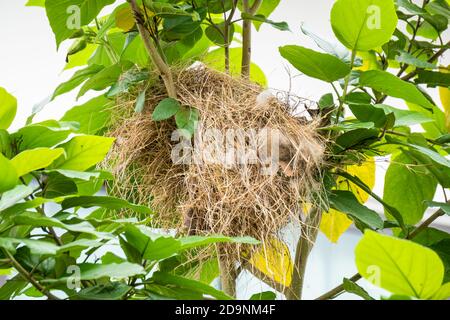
235 198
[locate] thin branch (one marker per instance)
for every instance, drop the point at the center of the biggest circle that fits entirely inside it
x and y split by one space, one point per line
158 61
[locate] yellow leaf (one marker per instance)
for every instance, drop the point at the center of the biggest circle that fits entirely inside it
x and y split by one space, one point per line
365 172
125 18
273 259
444 93
370 61
335 223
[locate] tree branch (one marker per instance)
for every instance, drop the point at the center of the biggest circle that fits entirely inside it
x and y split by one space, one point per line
247 37
306 242
152 50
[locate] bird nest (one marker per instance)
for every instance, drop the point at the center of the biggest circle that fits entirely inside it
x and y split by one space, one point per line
247 171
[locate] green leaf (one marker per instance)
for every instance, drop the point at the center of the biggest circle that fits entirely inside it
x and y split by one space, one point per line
369 113
442 248
433 155
326 101
58 185
12 288
197 241
187 119
140 102
167 10
109 291
83 152
266 9
101 55
335 49
444 206
391 210
433 78
35 246
411 60
355 138
90 271
352 287
390 85
126 81
136 52
267 295
81 175
103 202
77 79
405 118
102 80
37 220
406 187
399 266
363 25
42 135
410 7
81 58
166 109
435 128
345 201
443 293
15 195
314 64
92 116
166 279
8 173
151 246
35 3
283 26
8 109
67 16
35 159
216 34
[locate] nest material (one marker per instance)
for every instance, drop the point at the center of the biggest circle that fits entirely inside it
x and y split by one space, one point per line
236 198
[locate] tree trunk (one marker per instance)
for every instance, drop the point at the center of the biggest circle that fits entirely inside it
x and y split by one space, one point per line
305 244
